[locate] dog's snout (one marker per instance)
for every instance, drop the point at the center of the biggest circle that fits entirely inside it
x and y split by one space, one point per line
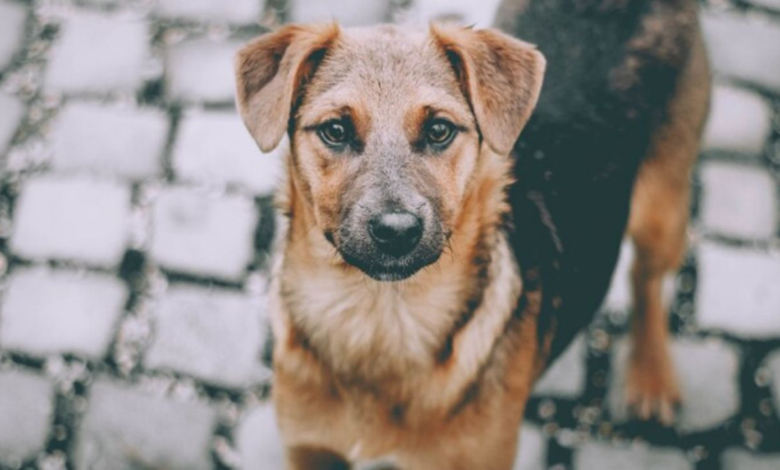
396 233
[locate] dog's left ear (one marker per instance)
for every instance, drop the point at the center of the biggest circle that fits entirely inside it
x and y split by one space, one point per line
499 75
271 72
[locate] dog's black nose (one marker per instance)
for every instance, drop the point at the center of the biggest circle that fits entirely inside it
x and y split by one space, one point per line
395 233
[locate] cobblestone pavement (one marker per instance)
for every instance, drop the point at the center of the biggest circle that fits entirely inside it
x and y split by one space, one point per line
135 224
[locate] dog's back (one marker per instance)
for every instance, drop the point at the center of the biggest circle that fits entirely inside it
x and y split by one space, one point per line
614 69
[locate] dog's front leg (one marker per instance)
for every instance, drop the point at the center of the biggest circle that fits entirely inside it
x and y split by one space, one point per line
474 449
311 420
311 458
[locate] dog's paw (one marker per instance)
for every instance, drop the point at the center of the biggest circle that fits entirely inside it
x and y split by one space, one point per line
652 393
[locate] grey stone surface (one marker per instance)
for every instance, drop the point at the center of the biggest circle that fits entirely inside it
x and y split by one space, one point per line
26 408
707 372
48 311
214 148
214 335
744 47
201 235
89 217
771 4
773 364
740 121
115 140
346 12
258 439
532 450
738 291
13 17
603 456
566 376
481 14
233 11
10 117
619 295
739 459
125 428
85 57
739 201
201 70
95 86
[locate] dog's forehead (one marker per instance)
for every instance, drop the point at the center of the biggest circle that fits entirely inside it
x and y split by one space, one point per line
384 63
384 41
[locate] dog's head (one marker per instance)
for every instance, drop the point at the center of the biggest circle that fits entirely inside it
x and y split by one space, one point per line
387 128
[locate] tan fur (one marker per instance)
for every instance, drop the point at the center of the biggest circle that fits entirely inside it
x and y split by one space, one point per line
659 217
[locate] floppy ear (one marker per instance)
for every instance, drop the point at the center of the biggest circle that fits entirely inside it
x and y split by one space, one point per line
499 75
270 74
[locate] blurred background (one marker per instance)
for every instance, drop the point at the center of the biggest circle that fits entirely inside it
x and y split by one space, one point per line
135 222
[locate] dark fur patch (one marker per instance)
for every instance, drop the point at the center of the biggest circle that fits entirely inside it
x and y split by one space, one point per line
612 70
481 261
397 414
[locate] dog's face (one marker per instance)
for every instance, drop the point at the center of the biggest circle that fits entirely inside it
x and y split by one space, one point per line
387 128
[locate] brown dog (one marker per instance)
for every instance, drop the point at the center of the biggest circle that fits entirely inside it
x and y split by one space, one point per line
429 272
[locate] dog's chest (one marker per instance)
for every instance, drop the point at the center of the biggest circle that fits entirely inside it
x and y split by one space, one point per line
371 329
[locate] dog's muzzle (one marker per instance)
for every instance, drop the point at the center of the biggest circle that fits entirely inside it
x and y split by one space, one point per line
389 244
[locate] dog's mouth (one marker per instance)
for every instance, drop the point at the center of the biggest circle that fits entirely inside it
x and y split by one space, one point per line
390 270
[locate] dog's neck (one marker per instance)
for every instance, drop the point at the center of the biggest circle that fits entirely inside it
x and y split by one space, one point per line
379 334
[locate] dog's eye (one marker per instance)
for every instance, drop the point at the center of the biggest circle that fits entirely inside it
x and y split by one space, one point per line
334 133
440 133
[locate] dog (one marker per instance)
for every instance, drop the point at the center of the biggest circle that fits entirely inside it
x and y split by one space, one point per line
434 260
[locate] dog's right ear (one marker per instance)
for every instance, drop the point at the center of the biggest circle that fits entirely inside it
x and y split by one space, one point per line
500 76
270 74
